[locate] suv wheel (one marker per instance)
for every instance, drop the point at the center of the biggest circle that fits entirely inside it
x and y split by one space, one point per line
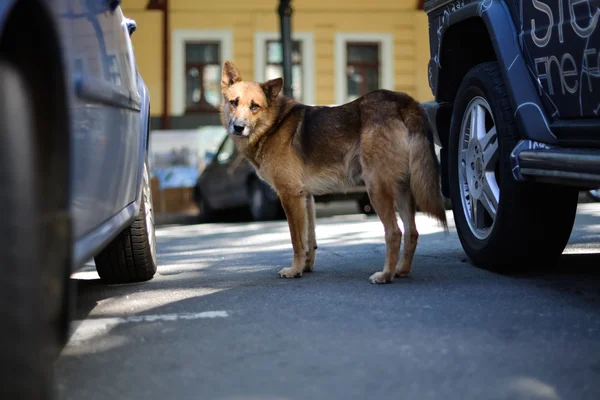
501 223
131 256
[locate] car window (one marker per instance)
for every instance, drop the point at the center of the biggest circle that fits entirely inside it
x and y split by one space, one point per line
227 151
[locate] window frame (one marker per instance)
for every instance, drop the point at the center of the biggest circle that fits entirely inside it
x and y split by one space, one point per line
203 106
364 64
307 47
179 37
386 60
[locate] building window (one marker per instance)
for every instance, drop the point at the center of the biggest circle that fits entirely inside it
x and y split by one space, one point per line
364 62
198 89
268 62
274 64
362 69
203 76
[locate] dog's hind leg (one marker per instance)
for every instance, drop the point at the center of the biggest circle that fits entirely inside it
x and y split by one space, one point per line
382 196
311 251
407 210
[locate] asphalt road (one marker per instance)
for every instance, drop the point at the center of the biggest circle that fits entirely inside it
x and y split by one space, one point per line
218 323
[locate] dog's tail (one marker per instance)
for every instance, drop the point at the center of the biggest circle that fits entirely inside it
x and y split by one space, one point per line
423 164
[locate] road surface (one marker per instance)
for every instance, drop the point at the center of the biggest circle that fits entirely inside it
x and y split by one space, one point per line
218 323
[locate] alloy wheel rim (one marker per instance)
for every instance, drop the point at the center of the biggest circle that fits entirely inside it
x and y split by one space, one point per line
478 160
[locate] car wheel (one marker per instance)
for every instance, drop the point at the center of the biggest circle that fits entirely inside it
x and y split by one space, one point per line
25 337
131 256
501 223
205 212
261 207
365 207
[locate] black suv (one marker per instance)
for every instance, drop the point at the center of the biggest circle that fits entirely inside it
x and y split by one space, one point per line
517 98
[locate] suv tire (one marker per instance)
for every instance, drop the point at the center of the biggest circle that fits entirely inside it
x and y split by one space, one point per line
531 222
131 256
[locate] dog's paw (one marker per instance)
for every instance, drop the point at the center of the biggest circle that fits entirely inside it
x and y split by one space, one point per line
290 273
381 277
309 265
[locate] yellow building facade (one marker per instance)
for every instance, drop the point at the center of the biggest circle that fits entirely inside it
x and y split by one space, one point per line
341 49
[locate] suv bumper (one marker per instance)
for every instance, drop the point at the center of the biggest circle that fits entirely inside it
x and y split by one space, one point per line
566 166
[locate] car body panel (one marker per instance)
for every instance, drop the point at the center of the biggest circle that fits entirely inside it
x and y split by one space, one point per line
549 56
88 244
108 105
525 99
561 45
105 112
548 53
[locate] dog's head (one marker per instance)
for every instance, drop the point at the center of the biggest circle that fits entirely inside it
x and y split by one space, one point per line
247 106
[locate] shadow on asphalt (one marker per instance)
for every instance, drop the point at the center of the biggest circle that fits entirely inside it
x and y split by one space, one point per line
256 251
335 298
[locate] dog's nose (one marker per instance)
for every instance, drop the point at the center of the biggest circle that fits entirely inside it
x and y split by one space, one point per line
238 128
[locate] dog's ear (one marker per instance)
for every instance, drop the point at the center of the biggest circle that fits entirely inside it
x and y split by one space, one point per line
230 75
272 88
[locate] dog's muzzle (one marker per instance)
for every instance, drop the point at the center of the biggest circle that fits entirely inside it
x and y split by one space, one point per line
239 128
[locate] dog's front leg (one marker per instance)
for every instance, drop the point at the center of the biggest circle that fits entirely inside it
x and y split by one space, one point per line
295 212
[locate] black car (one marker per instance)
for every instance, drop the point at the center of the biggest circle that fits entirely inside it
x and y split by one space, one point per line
230 182
517 97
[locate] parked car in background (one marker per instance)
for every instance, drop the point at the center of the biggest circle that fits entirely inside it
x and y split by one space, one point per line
594 194
517 97
230 182
74 115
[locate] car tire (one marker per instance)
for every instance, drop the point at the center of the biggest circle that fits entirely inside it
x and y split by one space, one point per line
25 337
131 256
261 207
205 213
528 223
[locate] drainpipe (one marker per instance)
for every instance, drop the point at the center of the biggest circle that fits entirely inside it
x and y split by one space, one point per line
285 20
163 5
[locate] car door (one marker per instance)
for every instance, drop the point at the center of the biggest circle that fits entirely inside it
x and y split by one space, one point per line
561 44
105 111
227 177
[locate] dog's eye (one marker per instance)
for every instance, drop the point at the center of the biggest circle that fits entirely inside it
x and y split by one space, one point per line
254 106
235 102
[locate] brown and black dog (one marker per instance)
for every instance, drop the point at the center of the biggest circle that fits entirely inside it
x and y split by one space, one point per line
303 151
